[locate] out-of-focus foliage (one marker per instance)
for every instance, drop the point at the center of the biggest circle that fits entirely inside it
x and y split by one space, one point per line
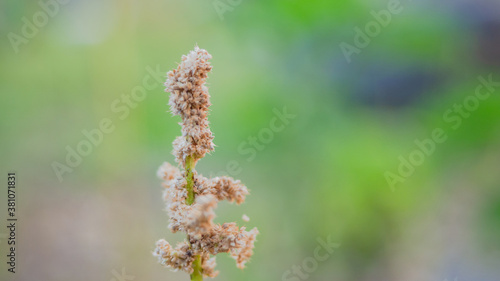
322 174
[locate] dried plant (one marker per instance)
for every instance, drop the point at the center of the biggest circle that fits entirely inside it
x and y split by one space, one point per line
190 197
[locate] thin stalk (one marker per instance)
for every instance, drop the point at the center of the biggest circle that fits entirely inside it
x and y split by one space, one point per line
197 274
190 163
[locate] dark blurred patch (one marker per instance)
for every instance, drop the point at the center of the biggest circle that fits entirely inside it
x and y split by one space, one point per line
482 19
488 42
393 86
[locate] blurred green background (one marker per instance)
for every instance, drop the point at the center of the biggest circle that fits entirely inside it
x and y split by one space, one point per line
323 175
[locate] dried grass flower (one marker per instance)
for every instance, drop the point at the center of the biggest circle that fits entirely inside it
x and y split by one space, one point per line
191 198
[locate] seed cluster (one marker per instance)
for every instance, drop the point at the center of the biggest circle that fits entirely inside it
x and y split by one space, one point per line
190 99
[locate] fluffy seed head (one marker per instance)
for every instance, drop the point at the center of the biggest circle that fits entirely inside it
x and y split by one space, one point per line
189 98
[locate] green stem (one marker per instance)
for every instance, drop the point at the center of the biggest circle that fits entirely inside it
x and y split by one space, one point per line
197 274
190 163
